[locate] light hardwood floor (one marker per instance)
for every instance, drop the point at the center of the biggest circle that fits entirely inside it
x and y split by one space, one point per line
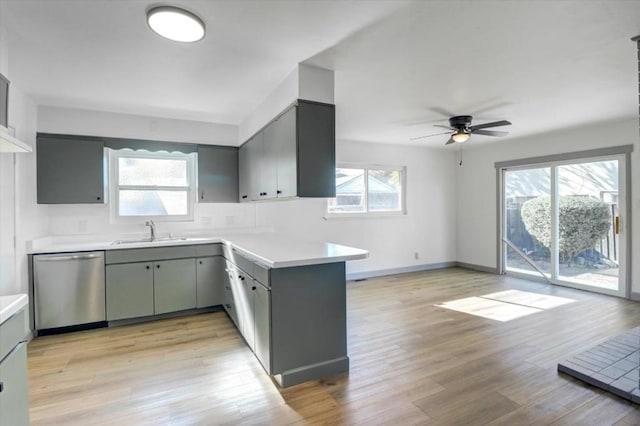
411 363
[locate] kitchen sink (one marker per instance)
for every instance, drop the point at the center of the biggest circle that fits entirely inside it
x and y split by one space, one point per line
148 240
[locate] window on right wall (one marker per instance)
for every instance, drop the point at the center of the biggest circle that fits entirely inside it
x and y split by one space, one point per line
368 190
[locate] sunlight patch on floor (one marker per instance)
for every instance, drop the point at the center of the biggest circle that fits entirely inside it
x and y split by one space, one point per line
505 305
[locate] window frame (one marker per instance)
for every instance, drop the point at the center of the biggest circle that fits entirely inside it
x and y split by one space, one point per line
114 186
366 167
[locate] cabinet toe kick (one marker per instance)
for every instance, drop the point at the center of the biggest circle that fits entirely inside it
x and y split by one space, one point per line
312 372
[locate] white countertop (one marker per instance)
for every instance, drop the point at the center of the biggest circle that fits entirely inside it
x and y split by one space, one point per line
9 305
268 248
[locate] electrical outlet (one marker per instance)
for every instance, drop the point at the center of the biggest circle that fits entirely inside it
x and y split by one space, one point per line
416 255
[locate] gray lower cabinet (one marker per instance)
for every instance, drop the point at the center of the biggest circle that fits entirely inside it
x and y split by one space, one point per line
249 306
262 324
174 285
229 305
70 169
152 281
293 319
217 174
14 395
129 290
246 309
209 281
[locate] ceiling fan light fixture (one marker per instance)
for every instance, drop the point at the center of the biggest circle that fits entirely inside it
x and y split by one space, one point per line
176 24
460 136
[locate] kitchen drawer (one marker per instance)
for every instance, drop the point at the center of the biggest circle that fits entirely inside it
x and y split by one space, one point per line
229 307
206 250
11 332
242 262
261 274
149 254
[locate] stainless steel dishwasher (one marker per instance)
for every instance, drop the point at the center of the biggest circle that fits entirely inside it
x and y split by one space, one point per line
69 289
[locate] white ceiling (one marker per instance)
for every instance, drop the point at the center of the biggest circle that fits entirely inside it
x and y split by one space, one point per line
542 65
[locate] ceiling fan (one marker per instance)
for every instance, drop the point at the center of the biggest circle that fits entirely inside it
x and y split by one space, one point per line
462 129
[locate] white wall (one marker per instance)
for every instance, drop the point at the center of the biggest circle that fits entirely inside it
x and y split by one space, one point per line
428 227
7 225
476 207
108 124
31 218
20 218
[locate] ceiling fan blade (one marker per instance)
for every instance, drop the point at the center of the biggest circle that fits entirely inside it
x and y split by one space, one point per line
450 141
428 136
492 124
444 127
489 133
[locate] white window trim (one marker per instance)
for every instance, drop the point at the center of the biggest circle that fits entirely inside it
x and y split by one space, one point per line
374 214
113 200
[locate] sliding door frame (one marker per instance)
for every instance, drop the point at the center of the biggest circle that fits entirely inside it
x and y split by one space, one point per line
556 160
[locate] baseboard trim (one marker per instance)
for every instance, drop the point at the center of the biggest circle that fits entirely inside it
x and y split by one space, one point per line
393 271
475 267
426 267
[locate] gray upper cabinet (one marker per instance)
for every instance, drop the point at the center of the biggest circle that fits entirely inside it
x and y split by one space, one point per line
316 147
70 169
294 155
280 135
244 174
261 159
217 174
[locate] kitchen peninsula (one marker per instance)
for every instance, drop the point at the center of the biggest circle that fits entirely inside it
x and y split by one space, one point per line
286 297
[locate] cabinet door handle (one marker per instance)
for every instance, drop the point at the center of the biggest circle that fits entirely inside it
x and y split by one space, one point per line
158 266
1 386
253 288
201 262
227 287
202 196
148 266
244 197
98 198
279 192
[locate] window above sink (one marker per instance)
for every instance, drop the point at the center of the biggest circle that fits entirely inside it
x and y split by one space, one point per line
156 185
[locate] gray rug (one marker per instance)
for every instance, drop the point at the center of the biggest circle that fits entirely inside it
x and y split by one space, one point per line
611 366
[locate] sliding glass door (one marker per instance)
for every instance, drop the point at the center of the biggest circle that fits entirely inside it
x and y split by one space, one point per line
563 221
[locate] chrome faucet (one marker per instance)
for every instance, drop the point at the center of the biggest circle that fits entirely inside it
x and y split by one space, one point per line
152 227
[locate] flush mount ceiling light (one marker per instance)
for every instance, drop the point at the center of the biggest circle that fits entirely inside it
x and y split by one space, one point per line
175 24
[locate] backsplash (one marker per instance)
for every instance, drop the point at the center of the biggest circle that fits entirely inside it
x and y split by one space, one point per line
91 219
